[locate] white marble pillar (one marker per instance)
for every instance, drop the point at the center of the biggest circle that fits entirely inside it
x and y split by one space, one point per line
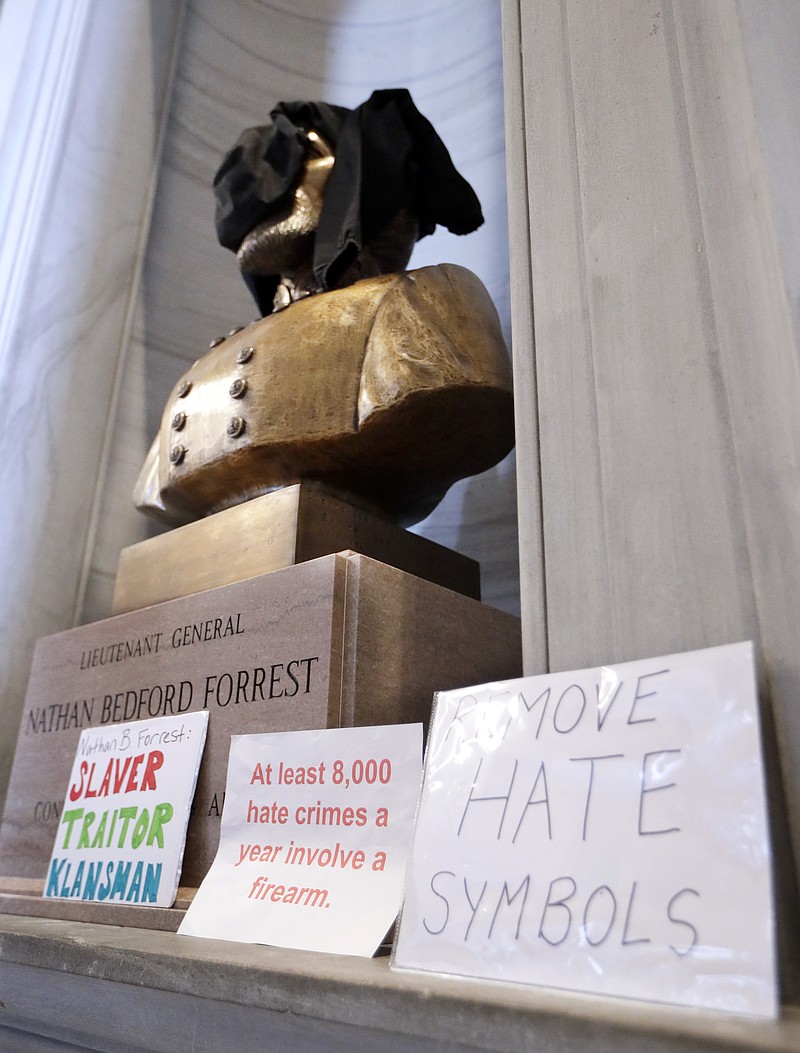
82 127
654 231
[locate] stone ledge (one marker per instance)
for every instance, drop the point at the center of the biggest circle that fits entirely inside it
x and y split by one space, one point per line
110 988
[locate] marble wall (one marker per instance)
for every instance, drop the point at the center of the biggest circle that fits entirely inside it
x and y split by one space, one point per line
237 58
654 219
81 146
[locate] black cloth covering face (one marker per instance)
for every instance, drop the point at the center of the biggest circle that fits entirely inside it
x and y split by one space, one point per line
388 157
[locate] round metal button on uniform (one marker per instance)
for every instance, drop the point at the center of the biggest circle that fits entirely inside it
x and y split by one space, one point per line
179 420
177 453
244 354
215 343
236 426
184 388
238 388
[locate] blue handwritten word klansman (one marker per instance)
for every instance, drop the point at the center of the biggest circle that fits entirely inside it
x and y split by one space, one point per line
119 880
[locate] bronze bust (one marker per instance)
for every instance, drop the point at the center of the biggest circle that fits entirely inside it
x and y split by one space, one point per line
383 385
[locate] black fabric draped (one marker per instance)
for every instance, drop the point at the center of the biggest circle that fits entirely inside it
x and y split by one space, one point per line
388 157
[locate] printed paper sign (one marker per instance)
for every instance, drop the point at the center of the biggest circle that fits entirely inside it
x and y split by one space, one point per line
314 839
123 824
601 831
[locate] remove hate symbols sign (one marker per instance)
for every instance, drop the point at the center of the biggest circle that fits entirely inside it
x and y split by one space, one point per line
602 831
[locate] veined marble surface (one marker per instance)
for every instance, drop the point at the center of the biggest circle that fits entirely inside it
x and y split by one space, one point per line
237 59
97 84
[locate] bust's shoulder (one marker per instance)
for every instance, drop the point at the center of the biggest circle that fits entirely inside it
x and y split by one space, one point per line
448 279
439 276
452 274
435 328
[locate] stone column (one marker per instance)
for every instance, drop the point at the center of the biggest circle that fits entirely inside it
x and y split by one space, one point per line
83 128
656 350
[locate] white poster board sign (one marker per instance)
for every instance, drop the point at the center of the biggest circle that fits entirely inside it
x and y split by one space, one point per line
314 839
123 825
601 831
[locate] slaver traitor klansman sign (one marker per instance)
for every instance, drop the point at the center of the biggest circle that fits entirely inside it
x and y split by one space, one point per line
123 821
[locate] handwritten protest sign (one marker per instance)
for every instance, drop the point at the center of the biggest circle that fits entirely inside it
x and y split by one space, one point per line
602 831
314 839
123 824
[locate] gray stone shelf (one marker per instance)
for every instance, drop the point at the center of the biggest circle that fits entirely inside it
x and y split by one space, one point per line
73 985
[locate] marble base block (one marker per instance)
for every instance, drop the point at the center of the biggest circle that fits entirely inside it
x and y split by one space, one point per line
291 525
338 641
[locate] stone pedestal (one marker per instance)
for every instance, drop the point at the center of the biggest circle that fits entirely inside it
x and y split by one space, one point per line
337 641
278 530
